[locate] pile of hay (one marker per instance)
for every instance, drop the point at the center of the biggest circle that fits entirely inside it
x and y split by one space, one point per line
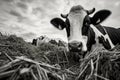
100 64
23 68
16 46
37 65
51 62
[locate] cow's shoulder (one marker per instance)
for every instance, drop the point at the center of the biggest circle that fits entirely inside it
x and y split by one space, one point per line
101 29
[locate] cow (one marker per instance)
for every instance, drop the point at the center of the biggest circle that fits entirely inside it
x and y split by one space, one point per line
40 40
84 31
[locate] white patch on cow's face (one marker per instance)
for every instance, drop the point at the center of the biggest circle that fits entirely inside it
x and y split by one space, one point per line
76 23
98 34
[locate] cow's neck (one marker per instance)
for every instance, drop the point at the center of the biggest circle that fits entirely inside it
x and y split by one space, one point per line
98 34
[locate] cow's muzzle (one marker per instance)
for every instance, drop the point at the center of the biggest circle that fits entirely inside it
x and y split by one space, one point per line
75 46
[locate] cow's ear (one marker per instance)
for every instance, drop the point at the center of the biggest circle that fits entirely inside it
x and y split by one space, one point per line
58 23
100 16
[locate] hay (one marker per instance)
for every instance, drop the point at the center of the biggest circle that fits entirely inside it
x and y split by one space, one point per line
100 64
28 69
52 62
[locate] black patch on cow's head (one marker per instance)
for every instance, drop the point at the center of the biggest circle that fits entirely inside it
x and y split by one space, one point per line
67 27
86 25
91 38
58 23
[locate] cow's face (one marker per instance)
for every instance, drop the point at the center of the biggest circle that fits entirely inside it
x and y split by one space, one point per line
78 20
77 23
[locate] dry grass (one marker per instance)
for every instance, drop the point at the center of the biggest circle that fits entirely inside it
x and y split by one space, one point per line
52 62
36 66
100 64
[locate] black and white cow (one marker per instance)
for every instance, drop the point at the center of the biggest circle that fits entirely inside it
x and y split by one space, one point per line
84 31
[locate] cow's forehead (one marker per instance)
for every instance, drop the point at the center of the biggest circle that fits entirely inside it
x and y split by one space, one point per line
76 8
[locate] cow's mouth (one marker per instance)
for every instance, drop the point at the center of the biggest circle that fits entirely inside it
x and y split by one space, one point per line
75 49
78 50
80 54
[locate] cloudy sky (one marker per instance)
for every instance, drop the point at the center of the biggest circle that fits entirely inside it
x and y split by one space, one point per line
31 18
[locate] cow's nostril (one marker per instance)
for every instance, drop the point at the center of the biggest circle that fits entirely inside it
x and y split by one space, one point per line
75 46
80 44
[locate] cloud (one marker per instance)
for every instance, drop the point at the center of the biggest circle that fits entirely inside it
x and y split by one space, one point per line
28 36
39 12
19 16
2 25
15 13
27 1
12 27
8 0
16 28
22 5
37 9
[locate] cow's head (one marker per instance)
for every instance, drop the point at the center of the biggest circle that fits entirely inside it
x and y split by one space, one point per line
77 23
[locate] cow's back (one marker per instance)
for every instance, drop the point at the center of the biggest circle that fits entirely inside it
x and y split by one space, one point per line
114 34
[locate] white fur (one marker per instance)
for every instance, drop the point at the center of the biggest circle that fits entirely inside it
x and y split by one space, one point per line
76 23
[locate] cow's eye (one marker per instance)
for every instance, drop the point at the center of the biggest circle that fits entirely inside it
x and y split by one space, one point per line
86 23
